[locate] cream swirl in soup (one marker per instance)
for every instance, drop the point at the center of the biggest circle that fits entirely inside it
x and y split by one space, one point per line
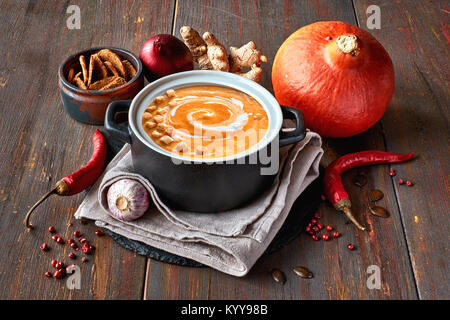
205 121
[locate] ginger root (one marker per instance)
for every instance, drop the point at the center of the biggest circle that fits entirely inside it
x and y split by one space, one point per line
197 46
217 53
245 56
210 54
254 74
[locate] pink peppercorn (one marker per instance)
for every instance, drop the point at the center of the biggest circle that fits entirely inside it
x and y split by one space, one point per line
44 247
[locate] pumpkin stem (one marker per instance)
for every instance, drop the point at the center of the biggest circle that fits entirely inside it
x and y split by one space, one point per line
348 44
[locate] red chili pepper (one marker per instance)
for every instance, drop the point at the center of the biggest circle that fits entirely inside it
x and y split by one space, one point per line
333 187
81 179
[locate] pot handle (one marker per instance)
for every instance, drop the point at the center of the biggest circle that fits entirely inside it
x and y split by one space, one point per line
299 131
117 130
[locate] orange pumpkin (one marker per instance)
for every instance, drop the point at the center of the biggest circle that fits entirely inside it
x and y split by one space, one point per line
337 74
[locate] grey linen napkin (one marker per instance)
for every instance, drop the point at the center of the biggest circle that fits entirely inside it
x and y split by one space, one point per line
229 241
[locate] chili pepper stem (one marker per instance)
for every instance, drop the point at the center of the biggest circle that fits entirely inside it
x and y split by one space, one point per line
345 206
348 213
27 217
60 189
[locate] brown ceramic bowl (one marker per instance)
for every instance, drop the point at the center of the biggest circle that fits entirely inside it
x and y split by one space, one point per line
89 106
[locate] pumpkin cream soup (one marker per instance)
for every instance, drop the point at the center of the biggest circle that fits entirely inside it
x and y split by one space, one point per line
205 121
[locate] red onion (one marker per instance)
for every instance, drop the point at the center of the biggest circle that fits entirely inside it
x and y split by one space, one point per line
127 199
165 54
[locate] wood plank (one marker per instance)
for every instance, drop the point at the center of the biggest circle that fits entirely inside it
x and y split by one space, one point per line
339 273
40 143
416 34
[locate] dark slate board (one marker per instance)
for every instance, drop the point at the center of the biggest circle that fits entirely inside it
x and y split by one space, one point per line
301 212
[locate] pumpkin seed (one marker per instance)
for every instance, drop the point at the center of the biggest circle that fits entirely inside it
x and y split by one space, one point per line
376 195
360 180
303 272
379 211
278 276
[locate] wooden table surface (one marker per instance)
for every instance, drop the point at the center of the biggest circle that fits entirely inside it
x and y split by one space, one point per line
40 143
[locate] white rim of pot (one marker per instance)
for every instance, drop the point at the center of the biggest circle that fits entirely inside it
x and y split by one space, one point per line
205 77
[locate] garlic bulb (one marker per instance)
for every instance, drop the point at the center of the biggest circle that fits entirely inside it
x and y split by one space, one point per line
127 199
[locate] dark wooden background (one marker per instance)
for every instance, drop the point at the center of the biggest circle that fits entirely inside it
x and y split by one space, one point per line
40 143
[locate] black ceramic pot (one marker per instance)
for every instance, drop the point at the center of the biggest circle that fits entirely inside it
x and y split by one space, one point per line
205 185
